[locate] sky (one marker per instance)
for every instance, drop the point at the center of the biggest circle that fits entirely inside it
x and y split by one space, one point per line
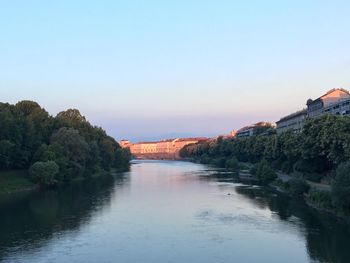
147 70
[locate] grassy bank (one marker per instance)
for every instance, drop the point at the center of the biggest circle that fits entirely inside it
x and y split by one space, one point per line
15 181
19 181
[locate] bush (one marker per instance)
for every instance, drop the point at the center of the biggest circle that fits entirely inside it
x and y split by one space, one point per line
341 187
321 198
281 184
219 162
243 166
313 177
44 173
205 159
265 173
253 169
298 186
232 164
287 167
311 166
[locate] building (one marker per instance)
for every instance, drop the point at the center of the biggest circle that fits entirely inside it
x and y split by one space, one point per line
246 131
335 101
342 107
165 149
250 130
148 147
294 122
124 143
232 134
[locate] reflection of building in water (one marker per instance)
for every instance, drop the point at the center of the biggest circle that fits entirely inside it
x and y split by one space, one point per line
165 149
335 102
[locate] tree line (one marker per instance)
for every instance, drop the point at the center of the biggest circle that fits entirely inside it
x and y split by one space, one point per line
55 149
320 151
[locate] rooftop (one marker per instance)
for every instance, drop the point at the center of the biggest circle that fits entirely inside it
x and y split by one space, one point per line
293 115
327 93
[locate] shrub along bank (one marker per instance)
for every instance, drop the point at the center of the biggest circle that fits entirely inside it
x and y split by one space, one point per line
321 151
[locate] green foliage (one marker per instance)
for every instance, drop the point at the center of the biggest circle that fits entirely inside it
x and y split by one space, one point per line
205 159
323 144
265 173
122 157
313 177
341 187
232 164
283 185
298 186
286 167
28 134
44 173
321 198
14 181
262 129
219 162
6 153
253 169
74 148
327 138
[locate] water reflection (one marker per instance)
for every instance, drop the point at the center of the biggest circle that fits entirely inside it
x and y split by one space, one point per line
29 220
167 212
327 237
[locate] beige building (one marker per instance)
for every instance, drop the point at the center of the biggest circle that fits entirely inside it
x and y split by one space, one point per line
165 146
165 149
294 122
335 101
248 131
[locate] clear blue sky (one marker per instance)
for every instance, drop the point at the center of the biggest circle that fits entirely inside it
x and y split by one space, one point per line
149 69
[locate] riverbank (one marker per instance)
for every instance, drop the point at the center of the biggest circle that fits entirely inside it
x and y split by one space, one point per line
316 195
15 181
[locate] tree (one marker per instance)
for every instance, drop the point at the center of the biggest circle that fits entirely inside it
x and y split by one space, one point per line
27 107
28 134
341 187
72 117
74 148
265 173
298 186
232 164
6 153
44 173
108 147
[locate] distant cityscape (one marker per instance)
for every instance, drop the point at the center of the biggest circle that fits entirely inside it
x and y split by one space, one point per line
335 101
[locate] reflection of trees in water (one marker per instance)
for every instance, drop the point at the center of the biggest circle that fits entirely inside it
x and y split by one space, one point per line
29 220
327 238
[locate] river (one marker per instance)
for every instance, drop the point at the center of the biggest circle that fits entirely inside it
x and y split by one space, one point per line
167 211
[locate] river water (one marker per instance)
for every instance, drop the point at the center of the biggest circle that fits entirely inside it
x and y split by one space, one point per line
167 211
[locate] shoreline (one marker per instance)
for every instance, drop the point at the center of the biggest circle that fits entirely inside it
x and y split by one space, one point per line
245 176
17 181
